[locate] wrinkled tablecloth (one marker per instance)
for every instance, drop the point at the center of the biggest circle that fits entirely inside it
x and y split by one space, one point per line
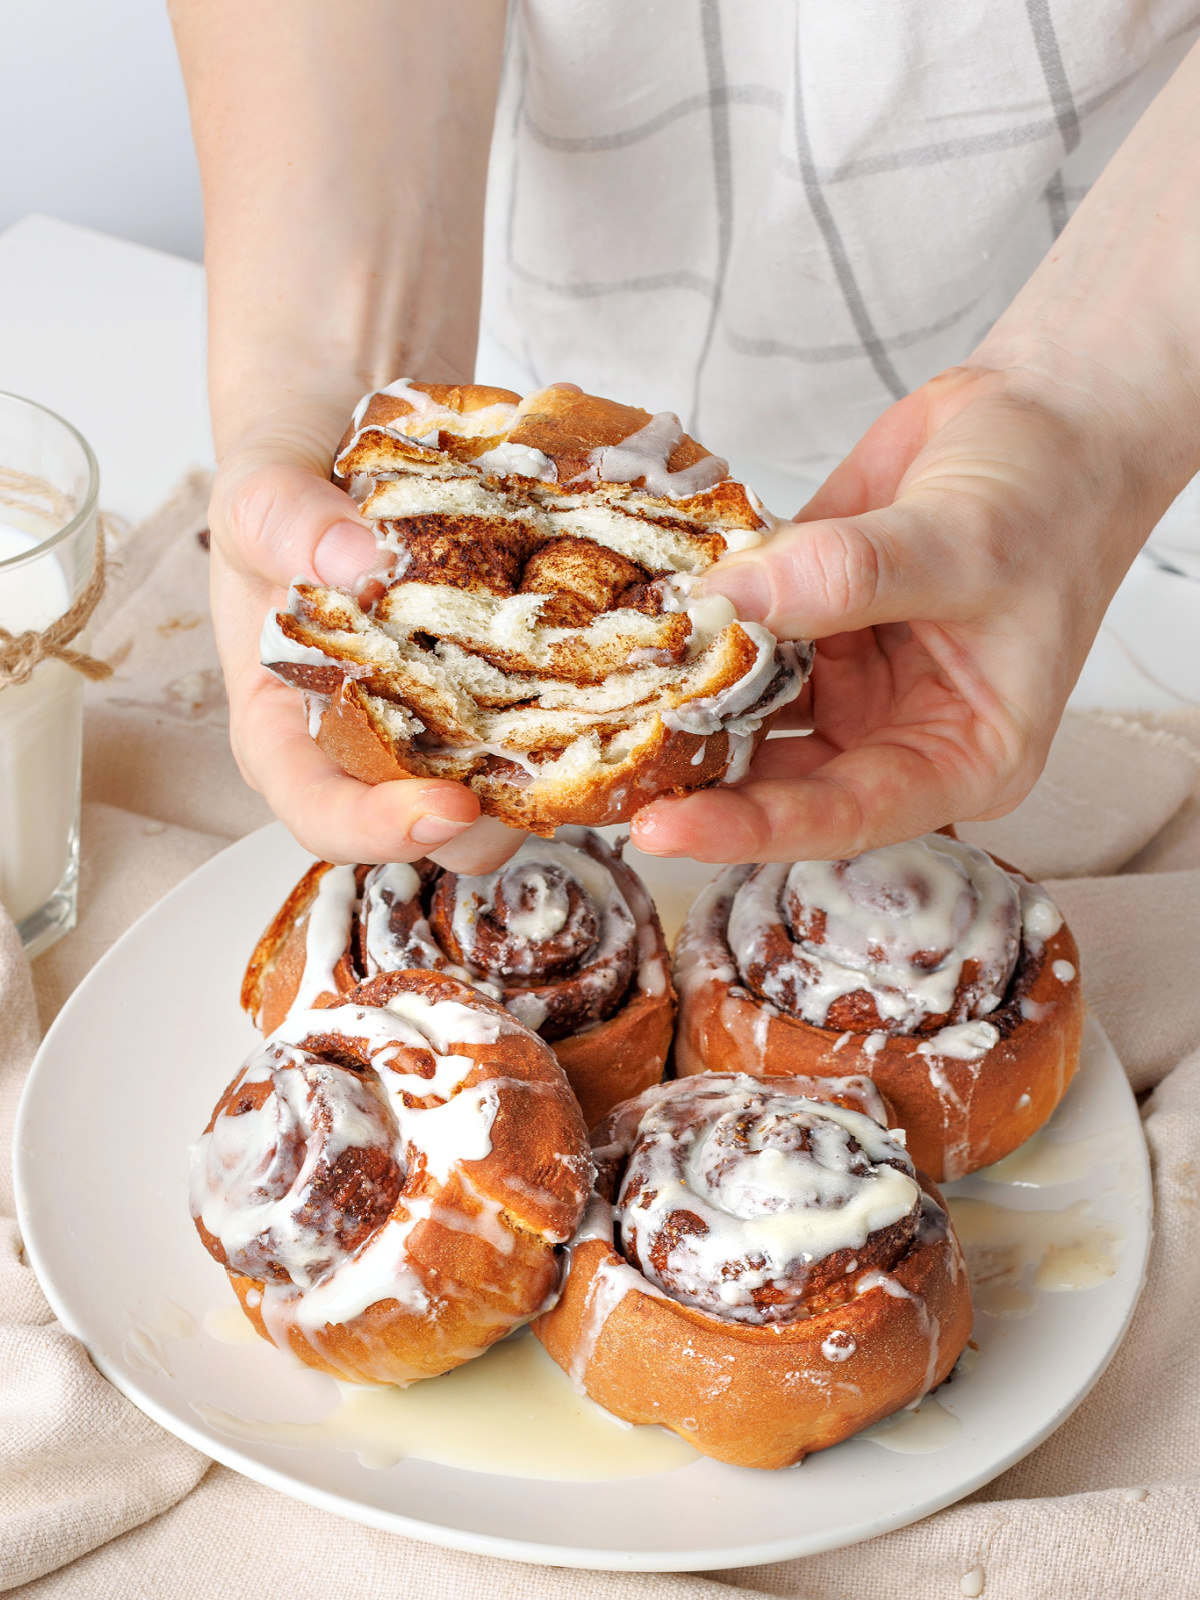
96 1500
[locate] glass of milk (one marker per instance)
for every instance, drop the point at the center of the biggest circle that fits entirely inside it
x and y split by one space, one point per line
47 554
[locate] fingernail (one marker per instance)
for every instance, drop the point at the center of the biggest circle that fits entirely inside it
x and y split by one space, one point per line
435 830
745 584
346 550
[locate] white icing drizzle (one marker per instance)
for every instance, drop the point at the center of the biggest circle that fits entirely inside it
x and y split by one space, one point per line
612 1280
390 884
1040 917
327 935
644 455
429 418
274 645
771 1181
928 1325
380 1271
969 1043
315 707
898 924
546 908
1063 971
517 461
962 1041
839 1346
742 706
252 1175
741 753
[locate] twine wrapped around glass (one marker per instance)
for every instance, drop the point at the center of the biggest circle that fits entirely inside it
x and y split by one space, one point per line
51 576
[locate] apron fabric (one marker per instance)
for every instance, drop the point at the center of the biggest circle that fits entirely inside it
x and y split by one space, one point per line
775 217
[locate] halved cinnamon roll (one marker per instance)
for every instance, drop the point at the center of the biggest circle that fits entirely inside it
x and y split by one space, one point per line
942 973
533 629
387 1180
761 1269
565 935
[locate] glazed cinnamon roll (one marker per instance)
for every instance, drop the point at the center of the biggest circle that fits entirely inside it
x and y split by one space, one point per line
387 1180
945 975
564 935
533 628
761 1268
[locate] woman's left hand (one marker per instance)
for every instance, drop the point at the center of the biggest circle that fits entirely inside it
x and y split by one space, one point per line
954 570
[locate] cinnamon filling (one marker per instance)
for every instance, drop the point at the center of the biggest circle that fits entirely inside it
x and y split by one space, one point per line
539 623
907 939
308 1147
551 933
753 1204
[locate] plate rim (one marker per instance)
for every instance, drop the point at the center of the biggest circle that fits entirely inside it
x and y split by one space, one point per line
488 1544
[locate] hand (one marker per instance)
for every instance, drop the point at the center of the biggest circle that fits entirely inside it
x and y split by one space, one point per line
954 569
276 516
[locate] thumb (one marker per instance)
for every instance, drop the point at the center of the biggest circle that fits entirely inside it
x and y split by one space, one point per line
280 520
903 563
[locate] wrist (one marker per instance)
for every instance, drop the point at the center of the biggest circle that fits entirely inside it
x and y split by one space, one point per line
1129 396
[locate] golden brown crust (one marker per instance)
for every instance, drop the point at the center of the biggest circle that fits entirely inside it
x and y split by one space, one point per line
480 1254
276 967
963 1116
383 409
663 763
620 1057
763 1396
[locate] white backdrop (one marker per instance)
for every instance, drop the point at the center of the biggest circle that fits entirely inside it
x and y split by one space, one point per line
93 121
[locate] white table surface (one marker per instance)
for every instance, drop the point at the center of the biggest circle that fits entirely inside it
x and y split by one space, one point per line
111 335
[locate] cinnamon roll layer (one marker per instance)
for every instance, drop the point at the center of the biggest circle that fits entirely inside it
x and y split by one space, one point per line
387 1180
944 974
761 1268
533 628
564 935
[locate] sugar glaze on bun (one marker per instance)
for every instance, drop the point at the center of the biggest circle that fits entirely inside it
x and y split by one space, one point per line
761 1268
938 970
564 935
534 628
387 1180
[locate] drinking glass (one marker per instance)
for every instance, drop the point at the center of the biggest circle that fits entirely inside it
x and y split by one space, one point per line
49 483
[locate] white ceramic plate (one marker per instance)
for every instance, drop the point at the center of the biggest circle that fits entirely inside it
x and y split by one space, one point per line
126 1079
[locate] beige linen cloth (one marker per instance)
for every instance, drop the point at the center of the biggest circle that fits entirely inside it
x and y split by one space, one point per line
96 1500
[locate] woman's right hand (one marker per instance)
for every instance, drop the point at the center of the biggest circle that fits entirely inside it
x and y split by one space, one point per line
276 516
344 175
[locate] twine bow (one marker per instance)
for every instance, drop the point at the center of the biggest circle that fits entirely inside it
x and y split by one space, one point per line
20 653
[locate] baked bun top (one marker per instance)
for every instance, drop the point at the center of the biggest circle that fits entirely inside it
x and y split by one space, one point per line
911 938
757 1202
569 442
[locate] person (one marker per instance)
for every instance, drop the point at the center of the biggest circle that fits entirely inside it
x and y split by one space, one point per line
955 563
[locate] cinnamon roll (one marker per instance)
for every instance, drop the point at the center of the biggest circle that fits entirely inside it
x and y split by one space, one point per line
533 628
944 974
761 1268
564 935
387 1181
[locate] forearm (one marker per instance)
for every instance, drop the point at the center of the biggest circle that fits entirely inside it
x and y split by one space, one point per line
343 152
1109 324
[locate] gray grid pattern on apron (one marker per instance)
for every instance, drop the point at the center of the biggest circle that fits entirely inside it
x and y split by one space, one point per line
688 209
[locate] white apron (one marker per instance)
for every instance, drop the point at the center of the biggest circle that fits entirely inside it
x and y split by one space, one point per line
774 217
